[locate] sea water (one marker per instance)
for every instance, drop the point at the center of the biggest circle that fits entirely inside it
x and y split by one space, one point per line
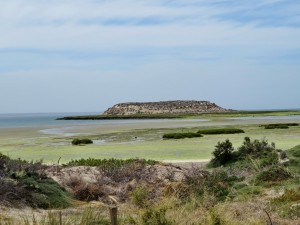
49 119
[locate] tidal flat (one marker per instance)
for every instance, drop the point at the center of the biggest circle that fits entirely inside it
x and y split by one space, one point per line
141 138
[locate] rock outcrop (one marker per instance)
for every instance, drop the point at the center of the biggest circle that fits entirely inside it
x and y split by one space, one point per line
164 107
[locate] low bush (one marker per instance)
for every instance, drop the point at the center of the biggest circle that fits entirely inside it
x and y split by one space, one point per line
274 174
279 125
90 192
255 148
181 135
295 152
83 141
216 183
24 183
221 131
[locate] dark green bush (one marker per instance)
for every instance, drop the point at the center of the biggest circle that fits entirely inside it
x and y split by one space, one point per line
295 152
279 125
24 183
269 127
221 131
255 148
83 141
181 135
45 193
222 154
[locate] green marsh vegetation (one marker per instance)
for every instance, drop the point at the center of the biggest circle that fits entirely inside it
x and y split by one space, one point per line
279 125
143 143
82 141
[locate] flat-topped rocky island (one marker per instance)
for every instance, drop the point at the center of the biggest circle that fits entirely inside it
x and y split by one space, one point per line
155 110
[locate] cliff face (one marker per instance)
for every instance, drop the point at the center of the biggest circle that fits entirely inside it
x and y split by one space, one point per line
165 107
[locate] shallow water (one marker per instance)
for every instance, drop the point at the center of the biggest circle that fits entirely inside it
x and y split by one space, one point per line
49 119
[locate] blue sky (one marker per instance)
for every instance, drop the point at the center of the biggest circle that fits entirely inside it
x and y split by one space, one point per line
86 55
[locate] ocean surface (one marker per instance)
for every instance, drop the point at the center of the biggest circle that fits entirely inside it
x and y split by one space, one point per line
40 120
49 120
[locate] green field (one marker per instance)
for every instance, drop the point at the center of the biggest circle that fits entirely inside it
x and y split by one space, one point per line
140 143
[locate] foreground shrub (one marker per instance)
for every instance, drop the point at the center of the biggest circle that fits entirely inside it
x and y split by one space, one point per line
274 173
83 141
221 131
24 183
216 183
181 135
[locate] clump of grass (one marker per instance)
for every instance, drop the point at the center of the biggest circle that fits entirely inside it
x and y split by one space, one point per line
181 135
288 203
140 196
221 131
154 216
83 141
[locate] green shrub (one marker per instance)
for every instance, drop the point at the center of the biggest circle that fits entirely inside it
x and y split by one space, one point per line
273 174
24 183
83 141
295 152
181 135
255 148
279 125
216 183
221 131
222 154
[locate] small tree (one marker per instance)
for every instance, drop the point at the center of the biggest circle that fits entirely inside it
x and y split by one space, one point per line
223 153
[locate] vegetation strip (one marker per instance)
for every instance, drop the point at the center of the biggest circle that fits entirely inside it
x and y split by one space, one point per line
279 125
221 131
181 135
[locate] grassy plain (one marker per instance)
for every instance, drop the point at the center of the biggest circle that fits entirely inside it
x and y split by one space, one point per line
142 140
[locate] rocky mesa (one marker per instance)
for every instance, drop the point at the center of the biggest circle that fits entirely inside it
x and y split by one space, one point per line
164 107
